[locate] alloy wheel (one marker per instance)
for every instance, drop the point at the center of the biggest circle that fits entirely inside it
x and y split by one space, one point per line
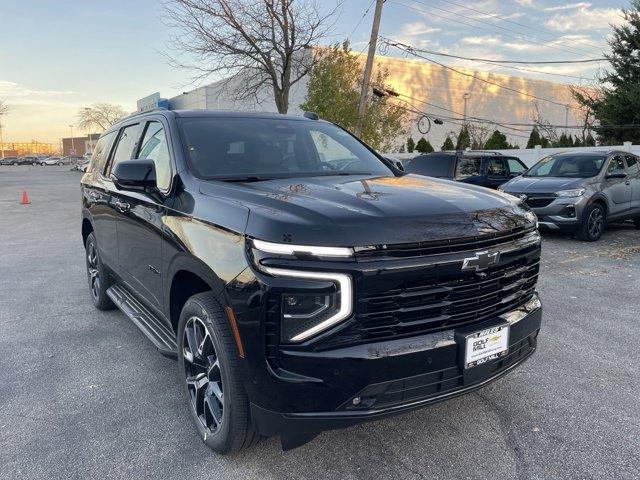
596 222
92 270
203 374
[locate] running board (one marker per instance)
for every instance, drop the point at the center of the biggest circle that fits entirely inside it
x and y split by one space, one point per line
153 328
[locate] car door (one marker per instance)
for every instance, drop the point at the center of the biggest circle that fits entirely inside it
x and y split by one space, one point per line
140 218
497 172
515 167
99 201
617 190
633 170
468 170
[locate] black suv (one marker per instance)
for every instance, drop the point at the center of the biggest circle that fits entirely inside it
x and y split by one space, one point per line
302 282
485 169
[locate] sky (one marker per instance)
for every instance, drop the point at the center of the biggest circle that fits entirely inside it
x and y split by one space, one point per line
59 56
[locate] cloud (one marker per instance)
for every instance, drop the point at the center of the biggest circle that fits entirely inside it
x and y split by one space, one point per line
417 28
568 6
585 19
525 3
13 90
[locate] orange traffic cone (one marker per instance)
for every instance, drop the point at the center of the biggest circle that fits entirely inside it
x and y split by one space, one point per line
25 198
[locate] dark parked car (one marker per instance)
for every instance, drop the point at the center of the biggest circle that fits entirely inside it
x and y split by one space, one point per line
581 192
10 161
29 161
485 169
302 282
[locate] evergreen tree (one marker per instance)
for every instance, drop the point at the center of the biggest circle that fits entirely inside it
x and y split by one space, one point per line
497 141
464 139
534 138
423 146
448 144
411 145
589 141
617 101
401 149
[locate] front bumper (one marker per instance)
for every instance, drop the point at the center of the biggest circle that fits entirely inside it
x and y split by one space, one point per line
561 214
392 377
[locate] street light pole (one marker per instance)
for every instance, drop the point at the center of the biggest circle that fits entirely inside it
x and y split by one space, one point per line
465 97
73 147
362 105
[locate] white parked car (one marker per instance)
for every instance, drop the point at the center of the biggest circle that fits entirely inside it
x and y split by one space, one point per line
52 161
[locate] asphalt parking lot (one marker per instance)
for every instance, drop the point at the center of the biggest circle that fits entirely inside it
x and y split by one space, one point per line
84 395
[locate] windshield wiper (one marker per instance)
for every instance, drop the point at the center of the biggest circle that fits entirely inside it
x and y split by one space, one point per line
248 178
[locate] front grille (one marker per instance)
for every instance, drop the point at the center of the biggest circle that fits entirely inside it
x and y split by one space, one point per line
422 306
439 247
538 200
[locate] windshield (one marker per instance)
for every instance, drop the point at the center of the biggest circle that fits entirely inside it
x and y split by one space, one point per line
228 148
567 165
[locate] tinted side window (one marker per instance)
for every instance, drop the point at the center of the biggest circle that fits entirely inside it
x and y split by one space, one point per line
632 164
431 165
468 167
101 151
515 166
497 167
154 147
616 163
126 141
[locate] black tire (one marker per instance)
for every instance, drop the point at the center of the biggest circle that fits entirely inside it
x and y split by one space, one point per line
15 164
215 396
43 164
593 223
34 164
60 164
97 275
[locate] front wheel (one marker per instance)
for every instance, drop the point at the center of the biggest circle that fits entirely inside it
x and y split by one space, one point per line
60 164
208 365
593 223
97 276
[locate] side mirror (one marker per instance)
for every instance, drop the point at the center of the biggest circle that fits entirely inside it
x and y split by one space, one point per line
617 174
134 175
394 162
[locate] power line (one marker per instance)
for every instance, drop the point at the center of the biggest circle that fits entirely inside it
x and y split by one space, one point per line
361 18
577 51
412 51
519 62
498 17
546 45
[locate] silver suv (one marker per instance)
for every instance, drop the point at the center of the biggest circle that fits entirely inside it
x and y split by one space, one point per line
581 191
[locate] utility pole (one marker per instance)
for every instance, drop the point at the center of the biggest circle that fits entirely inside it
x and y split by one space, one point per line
73 147
465 97
362 106
566 119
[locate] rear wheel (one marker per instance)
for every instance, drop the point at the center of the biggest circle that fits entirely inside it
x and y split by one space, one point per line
15 164
60 164
97 276
593 223
209 367
34 163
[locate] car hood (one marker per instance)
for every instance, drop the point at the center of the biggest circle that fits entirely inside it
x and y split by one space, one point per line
541 184
357 211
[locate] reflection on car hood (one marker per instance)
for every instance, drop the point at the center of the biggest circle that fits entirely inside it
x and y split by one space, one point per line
360 210
541 184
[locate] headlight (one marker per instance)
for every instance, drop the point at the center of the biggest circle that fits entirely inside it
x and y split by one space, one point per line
307 314
576 192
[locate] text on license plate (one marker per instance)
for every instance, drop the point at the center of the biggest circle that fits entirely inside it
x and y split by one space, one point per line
486 345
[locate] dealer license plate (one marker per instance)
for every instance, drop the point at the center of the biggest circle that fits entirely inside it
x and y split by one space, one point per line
486 345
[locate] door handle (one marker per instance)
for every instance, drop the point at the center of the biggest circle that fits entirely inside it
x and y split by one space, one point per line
122 206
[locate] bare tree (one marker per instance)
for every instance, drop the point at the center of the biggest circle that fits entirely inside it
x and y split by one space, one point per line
478 134
4 109
257 44
99 116
586 97
544 126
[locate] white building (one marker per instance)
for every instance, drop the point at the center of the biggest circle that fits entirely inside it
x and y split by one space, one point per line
442 88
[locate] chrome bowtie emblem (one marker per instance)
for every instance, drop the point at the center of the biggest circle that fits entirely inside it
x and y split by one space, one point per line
481 261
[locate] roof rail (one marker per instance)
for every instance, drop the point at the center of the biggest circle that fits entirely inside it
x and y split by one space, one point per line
481 152
135 114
